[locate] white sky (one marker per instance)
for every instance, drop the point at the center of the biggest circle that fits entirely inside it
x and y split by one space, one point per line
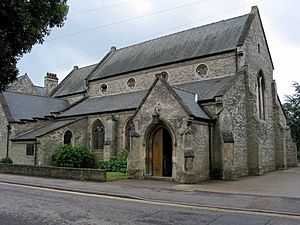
93 26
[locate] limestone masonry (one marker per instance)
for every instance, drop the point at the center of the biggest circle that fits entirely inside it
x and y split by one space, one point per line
194 105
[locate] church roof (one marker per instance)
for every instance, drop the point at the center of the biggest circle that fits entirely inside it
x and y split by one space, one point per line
109 103
36 132
188 100
208 89
20 106
40 90
194 43
74 83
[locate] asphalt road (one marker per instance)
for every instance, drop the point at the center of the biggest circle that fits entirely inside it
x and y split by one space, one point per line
21 205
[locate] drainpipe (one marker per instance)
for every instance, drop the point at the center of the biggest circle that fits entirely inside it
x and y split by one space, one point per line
210 152
7 139
35 152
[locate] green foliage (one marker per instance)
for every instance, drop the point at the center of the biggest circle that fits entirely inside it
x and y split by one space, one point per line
23 24
112 176
116 163
77 157
292 111
6 160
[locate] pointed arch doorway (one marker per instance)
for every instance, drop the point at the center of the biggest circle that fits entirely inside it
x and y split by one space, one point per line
159 153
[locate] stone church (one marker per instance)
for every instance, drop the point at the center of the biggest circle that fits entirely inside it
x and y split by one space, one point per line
191 106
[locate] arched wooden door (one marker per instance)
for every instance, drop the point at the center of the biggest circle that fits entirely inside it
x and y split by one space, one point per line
162 153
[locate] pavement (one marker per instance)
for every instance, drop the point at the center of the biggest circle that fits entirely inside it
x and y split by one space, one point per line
277 191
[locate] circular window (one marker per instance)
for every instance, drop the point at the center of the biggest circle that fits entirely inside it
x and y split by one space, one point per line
131 83
202 70
103 88
163 75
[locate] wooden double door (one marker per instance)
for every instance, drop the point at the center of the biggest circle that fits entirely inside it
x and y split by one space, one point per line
162 153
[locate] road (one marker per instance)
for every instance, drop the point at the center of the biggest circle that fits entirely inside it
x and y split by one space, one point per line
25 205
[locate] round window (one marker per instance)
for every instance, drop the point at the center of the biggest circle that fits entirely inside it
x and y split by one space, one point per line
202 70
131 83
163 75
103 88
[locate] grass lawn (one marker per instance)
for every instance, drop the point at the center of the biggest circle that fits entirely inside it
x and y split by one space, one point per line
111 176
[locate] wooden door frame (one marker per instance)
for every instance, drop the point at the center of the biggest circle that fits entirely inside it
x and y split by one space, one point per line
149 143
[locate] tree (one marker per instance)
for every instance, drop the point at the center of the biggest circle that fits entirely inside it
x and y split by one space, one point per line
292 111
24 23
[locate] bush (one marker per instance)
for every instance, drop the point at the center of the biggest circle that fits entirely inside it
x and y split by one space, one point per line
6 160
77 157
116 163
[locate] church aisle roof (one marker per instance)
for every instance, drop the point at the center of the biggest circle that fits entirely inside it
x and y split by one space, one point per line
20 106
109 103
208 89
192 106
74 83
201 41
33 134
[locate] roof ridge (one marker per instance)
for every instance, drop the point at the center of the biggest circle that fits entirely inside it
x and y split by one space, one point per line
176 33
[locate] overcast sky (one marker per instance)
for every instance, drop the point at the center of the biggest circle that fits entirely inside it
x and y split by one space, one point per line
93 26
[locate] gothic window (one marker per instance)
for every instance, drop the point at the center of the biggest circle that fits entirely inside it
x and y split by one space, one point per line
202 70
128 130
103 88
29 149
260 94
131 83
68 137
98 135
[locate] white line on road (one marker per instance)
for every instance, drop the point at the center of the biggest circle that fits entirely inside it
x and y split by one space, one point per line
172 204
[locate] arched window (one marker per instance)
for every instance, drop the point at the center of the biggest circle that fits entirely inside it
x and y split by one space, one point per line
68 137
128 130
98 135
260 93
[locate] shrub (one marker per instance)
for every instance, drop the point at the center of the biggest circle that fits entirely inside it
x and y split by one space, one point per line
77 157
6 160
116 163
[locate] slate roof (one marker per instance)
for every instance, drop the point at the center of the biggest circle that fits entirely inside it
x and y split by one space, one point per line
33 134
192 106
40 90
193 43
23 106
125 101
208 89
74 83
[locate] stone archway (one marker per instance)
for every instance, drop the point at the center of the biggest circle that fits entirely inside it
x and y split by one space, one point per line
159 152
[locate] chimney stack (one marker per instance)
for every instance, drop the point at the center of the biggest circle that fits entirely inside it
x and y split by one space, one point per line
50 82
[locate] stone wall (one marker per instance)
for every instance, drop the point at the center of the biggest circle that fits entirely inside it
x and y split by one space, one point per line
17 152
233 131
3 132
55 172
73 98
260 131
24 85
114 125
49 143
190 155
21 127
220 65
